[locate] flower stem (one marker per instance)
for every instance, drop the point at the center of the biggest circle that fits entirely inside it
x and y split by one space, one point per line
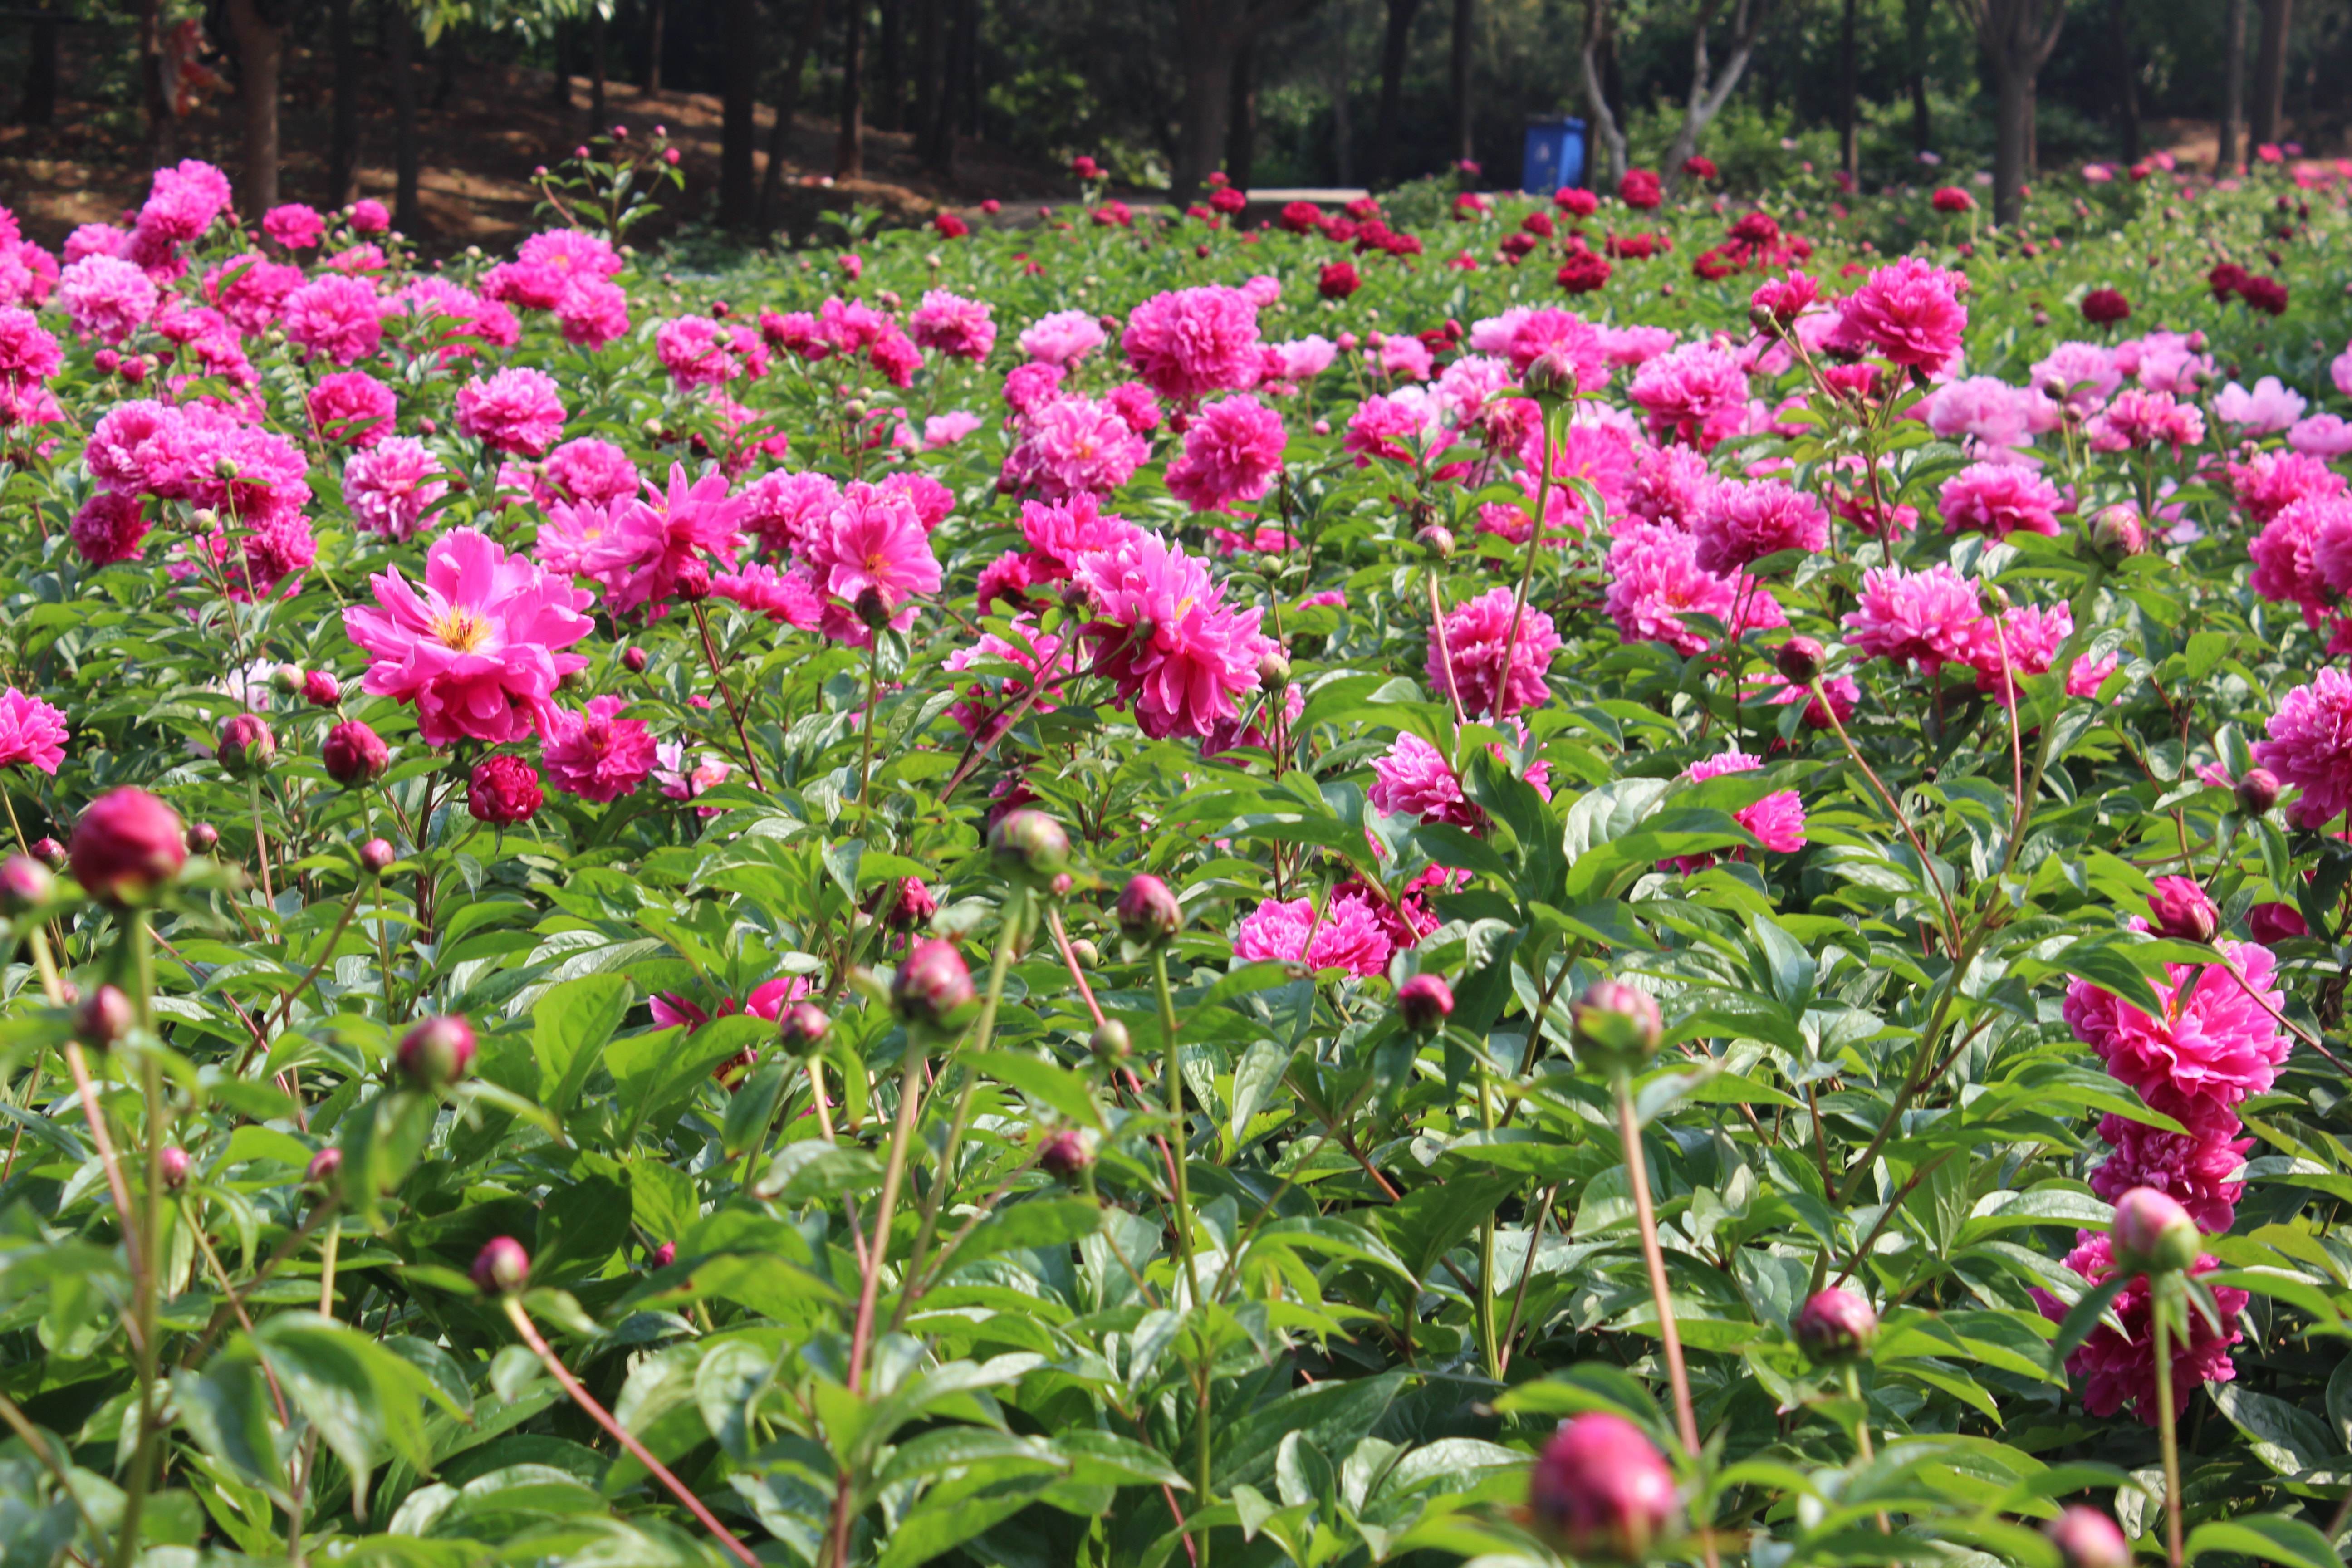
727 692
1183 1218
1499 705
2165 1291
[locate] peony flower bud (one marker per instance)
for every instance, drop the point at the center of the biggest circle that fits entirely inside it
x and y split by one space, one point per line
246 745
376 857
502 1267
172 1163
1601 1490
1087 955
873 609
803 1026
49 853
354 754
127 844
1551 378
1836 1326
693 580
1273 671
2180 909
2258 792
1029 847
1425 1003
436 1052
2117 533
1438 539
321 689
203 838
932 985
633 659
1068 1152
1799 660
2085 1538
287 678
662 1257
2153 1234
504 790
1148 910
25 885
104 1016
325 1170
1615 1026
1110 1042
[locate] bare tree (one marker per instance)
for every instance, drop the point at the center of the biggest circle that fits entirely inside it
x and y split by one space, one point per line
1211 33
2228 152
399 41
739 110
1465 15
849 146
343 124
260 57
788 98
2017 37
2270 72
1396 46
1606 133
1712 85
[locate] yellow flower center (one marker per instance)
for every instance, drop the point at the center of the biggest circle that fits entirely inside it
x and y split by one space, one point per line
460 629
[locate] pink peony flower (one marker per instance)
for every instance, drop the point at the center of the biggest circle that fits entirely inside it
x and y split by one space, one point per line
1072 446
679 782
2024 640
106 298
1747 522
1232 453
368 216
518 410
479 651
1697 395
504 790
953 325
251 291
2119 1368
2267 483
593 312
597 755
339 319
2214 1044
1476 677
947 429
1984 409
353 407
1909 312
767 1000
640 548
875 540
2138 418
2322 436
110 528
2265 411
591 470
784 512
2295 554
2196 1173
1670 487
2082 376
32 733
1346 935
1550 330
2165 362
1929 618
569 253
1163 634
391 487
699 352
790 598
1655 580
1778 820
1414 779
1999 498
1193 342
987 703
294 226
1062 338
2310 746
29 354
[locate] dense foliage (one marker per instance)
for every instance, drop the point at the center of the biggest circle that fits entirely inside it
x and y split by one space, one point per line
988 901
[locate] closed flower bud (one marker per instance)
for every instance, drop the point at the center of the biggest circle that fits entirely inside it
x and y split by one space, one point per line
662 1257
1087 955
173 1164
1601 1490
1835 1327
2085 1538
127 845
803 1026
1616 1025
1068 1152
288 679
2117 533
1438 539
2258 792
2153 1234
203 838
376 857
49 853
1148 910
25 884
873 609
693 580
325 1170
1029 847
104 1016
932 985
1425 1002
321 689
633 659
503 790
1110 1042
437 1052
1551 378
2180 909
246 745
1273 671
354 754
502 1267
1799 660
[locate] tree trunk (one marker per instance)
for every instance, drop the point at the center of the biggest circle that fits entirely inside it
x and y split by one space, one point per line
2032 128
559 78
1849 102
344 123
1343 126
2228 152
738 130
849 145
890 68
2012 132
596 67
788 98
1607 135
447 57
163 138
400 38
2126 84
653 47
1915 29
260 51
1241 139
1208 67
968 41
931 26
1465 15
40 106
1712 89
2269 73
1396 45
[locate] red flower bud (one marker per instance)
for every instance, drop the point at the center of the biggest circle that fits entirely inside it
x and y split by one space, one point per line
1425 1002
1067 1153
1799 660
1029 847
503 790
633 659
354 754
1836 1326
662 1257
437 1052
325 1170
2258 792
203 838
1615 1026
25 884
1148 910
321 689
2180 909
127 844
172 1163
104 1016
932 985
2085 1538
1601 1490
376 857
803 1026
246 745
502 1267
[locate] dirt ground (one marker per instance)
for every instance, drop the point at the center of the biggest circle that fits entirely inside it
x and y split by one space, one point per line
495 124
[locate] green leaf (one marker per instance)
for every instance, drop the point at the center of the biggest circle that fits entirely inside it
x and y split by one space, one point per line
2268 1537
571 1024
2286 1437
1040 1222
1329 1415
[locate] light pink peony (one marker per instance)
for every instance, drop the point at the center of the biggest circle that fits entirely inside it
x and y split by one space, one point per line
2214 1044
1062 338
2310 746
106 298
479 650
2138 418
2268 408
1742 523
1984 409
1232 453
518 410
950 324
2322 436
2000 499
2082 376
32 733
597 755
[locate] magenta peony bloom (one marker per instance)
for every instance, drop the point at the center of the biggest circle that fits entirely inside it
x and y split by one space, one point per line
1741 523
1193 342
1474 634
1670 487
1999 498
679 782
106 298
2138 418
110 527
353 407
1062 338
504 790
1042 660
294 226
1909 312
2024 641
479 650
2310 746
1562 332
700 352
2197 1172
1070 447
391 486
1162 632
517 410
1415 780
1232 453
1655 580
599 755
1930 618
1697 395
766 1000
593 312
1600 1487
29 354
953 325
251 291
32 733
1778 820
786 511
1381 426
874 539
2216 1042
640 548
1347 934
591 470
333 317
2119 1369
791 598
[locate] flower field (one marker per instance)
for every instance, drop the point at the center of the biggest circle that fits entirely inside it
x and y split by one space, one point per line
1623 878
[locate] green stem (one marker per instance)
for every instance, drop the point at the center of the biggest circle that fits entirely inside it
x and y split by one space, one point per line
1182 1142
1637 1173
2165 1289
1488 1346
147 1284
1499 706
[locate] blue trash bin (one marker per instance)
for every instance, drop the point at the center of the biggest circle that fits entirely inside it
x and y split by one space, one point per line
1555 154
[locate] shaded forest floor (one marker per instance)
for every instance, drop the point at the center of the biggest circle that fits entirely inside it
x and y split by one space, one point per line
482 128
